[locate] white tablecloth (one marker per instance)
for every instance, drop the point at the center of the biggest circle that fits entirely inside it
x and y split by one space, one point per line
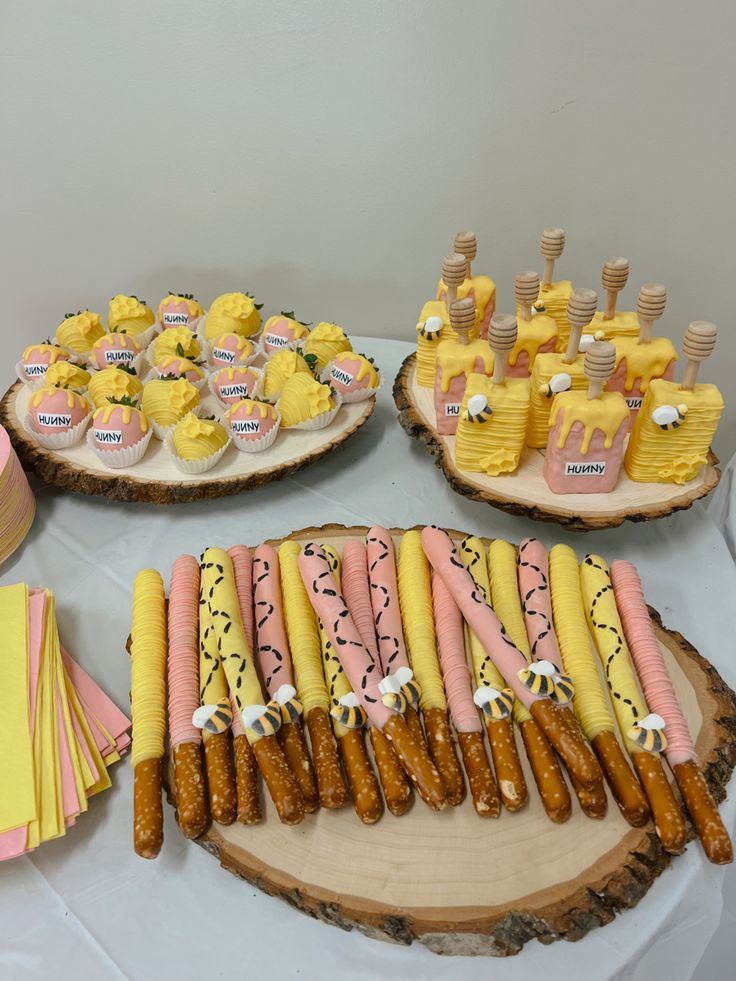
86 906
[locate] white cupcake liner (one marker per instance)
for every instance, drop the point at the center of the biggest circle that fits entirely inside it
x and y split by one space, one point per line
193 467
31 383
358 395
153 375
160 431
207 355
255 445
58 441
136 364
125 457
323 420
255 394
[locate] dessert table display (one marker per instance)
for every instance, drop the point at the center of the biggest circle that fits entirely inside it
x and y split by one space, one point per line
102 924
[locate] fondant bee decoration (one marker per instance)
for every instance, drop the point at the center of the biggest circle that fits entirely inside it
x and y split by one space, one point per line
538 677
348 712
563 691
538 307
399 690
264 720
557 383
291 707
649 733
213 718
494 704
669 416
587 340
478 409
430 328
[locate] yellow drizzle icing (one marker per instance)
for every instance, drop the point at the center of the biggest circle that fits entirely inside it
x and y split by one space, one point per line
325 342
166 344
112 383
55 353
415 601
507 604
554 300
302 398
243 347
532 335
232 313
494 445
279 368
196 439
104 414
252 407
167 401
673 455
72 398
607 414
148 667
79 333
590 703
182 366
454 359
545 367
484 290
297 329
644 361
335 677
64 374
129 313
302 631
194 307
365 368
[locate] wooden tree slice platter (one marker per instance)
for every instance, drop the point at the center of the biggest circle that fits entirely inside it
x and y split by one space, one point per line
156 479
526 492
460 884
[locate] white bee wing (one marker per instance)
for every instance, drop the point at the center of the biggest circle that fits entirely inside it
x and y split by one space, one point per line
433 324
560 382
285 694
545 668
476 404
349 700
663 415
202 715
652 721
389 685
403 675
484 694
251 714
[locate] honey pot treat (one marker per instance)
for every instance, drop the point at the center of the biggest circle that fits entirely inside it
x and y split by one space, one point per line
348 720
185 738
148 703
537 331
591 703
554 296
643 733
465 717
661 697
306 652
364 676
415 599
395 783
480 289
274 662
458 358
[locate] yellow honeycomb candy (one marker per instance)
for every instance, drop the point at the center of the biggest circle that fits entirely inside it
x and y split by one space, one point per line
129 315
232 313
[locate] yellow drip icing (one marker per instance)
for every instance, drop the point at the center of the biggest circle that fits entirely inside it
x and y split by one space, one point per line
166 344
72 398
64 374
365 368
415 601
673 455
493 444
197 439
484 291
112 383
148 667
298 330
279 368
532 335
55 353
302 398
607 414
80 332
545 367
302 631
233 313
590 703
455 359
644 361
243 347
104 414
253 407
182 366
554 300
167 401
194 307
335 677
325 342
608 634
507 604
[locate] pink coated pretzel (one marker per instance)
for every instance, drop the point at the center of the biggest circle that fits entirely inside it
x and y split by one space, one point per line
183 667
533 569
272 647
243 568
384 594
450 630
357 592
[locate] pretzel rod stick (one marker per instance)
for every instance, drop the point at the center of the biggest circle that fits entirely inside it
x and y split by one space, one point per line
261 722
274 663
642 733
506 602
306 653
465 718
246 768
395 783
591 703
148 703
364 674
661 697
347 721
183 677
499 725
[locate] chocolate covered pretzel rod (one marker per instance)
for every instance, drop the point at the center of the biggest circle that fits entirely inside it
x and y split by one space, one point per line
661 698
364 674
395 783
274 663
303 636
506 656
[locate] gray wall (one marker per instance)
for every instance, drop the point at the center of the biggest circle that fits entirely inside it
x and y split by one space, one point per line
323 153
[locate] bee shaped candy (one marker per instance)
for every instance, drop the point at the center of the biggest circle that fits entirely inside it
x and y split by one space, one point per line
291 707
541 678
215 718
348 712
669 416
399 690
557 383
430 328
494 704
264 720
478 409
563 691
649 733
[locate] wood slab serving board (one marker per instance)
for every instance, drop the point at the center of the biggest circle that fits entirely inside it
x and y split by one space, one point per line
156 479
460 884
526 491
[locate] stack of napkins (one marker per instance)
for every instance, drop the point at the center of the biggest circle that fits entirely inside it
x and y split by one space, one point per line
17 503
59 732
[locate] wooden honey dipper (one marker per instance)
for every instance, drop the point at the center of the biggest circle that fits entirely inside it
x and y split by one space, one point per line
466 244
454 267
526 287
551 246
581 308
462 318
502 337
600 362
700 339
650 306
613 277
